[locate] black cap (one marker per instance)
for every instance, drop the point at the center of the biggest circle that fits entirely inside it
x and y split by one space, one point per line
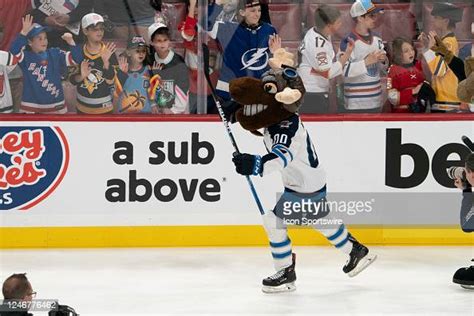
253 3
448 11
136 42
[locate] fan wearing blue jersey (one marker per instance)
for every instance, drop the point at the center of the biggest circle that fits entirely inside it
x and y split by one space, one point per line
247 46
42 68
272 104
133 79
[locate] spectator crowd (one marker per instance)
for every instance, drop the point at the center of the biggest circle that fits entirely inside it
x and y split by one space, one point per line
143 56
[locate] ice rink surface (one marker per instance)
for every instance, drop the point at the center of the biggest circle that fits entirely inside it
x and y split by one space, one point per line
223 281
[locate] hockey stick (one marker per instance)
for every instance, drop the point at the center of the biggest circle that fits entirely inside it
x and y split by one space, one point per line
205 51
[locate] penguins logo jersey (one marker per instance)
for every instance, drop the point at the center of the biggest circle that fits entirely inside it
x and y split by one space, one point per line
93 81
295 156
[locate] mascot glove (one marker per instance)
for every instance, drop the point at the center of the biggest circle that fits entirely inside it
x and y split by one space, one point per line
440 48
246 164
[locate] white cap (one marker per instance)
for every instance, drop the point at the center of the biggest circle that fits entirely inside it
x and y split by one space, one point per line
91 19
361 7
154 27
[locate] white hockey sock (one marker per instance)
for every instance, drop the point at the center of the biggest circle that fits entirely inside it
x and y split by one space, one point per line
339 237
281 252
280 244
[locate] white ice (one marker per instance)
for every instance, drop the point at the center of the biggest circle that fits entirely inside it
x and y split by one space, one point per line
222 281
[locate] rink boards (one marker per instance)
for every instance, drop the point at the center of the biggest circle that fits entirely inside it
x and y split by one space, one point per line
68 181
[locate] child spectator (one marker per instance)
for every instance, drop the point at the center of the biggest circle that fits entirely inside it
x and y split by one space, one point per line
188 31
318 63
246 46
42 69
134 79
444 81
7 63
407 89
170 83
95 76
362 84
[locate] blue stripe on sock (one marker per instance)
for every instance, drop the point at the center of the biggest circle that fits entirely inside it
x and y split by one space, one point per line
280 244
342 243
281 255
338 233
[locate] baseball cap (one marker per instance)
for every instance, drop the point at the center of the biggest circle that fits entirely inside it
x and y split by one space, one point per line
136 42
361 7
155 27
253 3
36 30
447 10
91 19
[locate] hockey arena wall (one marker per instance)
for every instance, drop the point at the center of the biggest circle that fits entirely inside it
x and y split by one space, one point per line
92 164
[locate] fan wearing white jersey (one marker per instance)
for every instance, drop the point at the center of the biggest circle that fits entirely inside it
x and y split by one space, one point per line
362 84
318 64
7 64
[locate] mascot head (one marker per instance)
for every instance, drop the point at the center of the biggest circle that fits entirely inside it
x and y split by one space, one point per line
271 99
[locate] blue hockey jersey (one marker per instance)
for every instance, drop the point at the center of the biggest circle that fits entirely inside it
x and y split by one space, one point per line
132 89
246 52
42 72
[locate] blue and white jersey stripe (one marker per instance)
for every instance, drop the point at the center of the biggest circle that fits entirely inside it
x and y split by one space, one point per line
293 154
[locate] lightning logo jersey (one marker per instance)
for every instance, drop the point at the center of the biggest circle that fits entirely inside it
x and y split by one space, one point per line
246 52
292 153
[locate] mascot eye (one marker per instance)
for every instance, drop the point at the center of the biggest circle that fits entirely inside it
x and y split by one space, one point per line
270 88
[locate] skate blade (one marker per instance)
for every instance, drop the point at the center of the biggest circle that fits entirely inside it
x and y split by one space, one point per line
364 263
467 287
288 287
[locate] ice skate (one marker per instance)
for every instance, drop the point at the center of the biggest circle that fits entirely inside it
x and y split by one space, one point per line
282 281
465 277
359 259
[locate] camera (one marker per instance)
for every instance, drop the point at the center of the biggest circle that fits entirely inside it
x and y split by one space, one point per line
63 310
458 172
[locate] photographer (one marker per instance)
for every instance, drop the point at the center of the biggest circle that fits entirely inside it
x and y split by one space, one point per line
465 276
16 289
18 298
